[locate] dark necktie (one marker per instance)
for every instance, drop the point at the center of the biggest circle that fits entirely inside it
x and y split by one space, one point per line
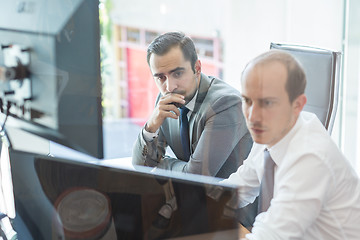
184 132
267 183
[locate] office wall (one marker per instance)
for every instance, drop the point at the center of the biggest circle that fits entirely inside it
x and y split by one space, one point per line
199 17
246 26
251 26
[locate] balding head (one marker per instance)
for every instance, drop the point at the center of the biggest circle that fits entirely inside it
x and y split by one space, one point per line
296 79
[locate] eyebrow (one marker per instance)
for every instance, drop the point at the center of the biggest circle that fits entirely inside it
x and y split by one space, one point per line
261 99
174 70
272 99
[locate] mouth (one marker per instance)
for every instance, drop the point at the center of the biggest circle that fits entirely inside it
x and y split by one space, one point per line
257 131
176 91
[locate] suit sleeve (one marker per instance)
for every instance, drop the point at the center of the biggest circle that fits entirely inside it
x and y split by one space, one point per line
148 153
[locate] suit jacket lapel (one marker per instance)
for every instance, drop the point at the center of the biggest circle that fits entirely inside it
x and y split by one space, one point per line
205 83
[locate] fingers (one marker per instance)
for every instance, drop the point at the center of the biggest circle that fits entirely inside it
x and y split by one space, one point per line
170 103
165 109
169 110
173 98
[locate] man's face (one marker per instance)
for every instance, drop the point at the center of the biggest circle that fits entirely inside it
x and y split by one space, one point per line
173 74
266 105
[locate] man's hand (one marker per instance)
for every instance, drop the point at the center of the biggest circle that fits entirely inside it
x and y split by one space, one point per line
165 108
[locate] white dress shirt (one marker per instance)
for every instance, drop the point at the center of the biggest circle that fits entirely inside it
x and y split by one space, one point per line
316 190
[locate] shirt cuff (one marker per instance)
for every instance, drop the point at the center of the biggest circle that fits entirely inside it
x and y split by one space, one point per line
148 136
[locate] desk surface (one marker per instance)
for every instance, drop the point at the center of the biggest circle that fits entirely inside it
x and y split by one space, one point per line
221 235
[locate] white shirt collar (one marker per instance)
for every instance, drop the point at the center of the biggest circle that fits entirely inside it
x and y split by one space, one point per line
278 151
191 104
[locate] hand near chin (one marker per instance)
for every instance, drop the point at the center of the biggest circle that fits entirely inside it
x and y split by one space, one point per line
167 107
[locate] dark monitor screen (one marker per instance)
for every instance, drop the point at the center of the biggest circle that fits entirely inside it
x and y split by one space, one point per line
50 72
66 199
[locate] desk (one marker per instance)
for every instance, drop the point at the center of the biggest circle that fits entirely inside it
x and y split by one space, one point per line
124 162
221 235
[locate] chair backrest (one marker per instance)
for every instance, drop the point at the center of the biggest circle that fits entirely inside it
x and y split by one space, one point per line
322 69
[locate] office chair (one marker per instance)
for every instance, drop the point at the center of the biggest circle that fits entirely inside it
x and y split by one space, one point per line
322 69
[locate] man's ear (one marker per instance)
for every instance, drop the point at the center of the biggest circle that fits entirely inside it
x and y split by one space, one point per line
197 67
299 103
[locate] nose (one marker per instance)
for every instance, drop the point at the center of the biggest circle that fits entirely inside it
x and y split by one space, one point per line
171 84
254 113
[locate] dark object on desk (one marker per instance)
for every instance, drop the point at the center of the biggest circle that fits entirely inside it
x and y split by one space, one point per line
135 197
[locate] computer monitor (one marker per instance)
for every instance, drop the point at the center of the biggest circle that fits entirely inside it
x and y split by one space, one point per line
50 72
68 199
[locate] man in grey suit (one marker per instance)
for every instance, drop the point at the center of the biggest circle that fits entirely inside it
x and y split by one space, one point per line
218 137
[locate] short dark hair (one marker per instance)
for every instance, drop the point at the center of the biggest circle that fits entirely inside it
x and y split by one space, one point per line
296 79
163 43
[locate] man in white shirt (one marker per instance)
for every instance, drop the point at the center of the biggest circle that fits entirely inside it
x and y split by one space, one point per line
316 192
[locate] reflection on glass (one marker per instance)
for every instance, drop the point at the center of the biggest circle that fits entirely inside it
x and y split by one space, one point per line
66 199
84 213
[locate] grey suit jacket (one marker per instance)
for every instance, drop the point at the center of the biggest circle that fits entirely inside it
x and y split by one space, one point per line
219 138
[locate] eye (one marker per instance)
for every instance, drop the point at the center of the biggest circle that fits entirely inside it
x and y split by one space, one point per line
267 103
247 101
161 78
178 74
